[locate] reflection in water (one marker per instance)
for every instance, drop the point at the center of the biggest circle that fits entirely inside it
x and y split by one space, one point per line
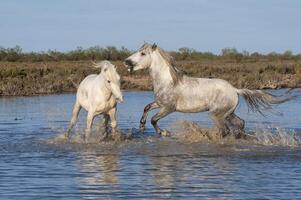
177 173
100 169
163 172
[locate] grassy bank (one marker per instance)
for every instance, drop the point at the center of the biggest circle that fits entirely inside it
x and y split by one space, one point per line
49 77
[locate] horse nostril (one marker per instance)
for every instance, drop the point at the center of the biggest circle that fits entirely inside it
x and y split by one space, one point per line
128 62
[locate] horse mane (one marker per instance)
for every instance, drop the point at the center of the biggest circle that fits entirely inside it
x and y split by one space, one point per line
176 73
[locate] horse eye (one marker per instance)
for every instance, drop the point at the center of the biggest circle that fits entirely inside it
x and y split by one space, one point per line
109 81
142 54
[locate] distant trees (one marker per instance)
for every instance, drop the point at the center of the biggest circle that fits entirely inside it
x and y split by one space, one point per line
288 54
229 52
11 54
234 53
186 53
113 53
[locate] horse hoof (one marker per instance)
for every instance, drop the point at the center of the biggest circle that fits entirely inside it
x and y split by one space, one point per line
103 138
116 135
165 133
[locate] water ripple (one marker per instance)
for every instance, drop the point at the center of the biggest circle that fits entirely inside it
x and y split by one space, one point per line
146 167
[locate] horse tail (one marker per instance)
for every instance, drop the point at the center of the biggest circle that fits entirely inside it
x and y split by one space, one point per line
259 100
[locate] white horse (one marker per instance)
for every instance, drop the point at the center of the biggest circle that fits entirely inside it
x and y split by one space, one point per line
98 94
175 91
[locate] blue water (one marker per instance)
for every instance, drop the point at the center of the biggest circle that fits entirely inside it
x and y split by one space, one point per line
147 167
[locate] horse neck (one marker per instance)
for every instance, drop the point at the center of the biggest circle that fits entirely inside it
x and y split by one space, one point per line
160 73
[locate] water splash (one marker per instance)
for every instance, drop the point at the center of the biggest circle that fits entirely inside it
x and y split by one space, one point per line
96 137
191 132
277 137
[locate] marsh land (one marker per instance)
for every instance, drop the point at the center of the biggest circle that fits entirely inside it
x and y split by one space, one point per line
55 72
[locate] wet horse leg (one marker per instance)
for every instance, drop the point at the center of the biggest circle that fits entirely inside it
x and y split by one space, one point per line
220 124
239 126
162 113
147 108
106 121
112 114
90 118
75 112
236 122
106 118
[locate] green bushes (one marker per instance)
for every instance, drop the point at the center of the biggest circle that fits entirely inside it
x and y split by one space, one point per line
92 53
118 54
11 54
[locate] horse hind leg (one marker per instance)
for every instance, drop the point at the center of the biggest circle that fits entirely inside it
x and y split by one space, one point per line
75 113
236 122
239 127
221 125
221 118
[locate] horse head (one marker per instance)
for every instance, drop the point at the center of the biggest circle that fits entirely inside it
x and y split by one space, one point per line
140 59
112 78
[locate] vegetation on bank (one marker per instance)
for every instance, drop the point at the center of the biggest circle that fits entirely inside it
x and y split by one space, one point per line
16 54
56 72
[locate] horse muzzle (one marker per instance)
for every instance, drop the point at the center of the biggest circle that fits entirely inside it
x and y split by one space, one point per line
130 65
120 99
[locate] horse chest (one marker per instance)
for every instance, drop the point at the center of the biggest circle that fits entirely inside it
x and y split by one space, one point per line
104 106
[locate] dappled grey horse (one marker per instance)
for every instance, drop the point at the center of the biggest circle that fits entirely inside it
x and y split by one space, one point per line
174 91
98 94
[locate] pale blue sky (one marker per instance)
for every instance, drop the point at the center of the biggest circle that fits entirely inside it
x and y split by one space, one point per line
205 25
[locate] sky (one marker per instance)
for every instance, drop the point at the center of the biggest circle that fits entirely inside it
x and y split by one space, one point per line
205 25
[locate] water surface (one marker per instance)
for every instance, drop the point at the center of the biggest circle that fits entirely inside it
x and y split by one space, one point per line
148 166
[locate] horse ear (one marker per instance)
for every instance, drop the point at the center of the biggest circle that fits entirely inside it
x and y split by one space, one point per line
154 47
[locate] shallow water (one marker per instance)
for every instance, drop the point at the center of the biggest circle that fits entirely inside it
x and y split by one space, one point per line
146 167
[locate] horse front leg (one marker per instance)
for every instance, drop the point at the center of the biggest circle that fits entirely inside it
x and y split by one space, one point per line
106 118
90 118
147 108
75 112
112 114
162 113
106 122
